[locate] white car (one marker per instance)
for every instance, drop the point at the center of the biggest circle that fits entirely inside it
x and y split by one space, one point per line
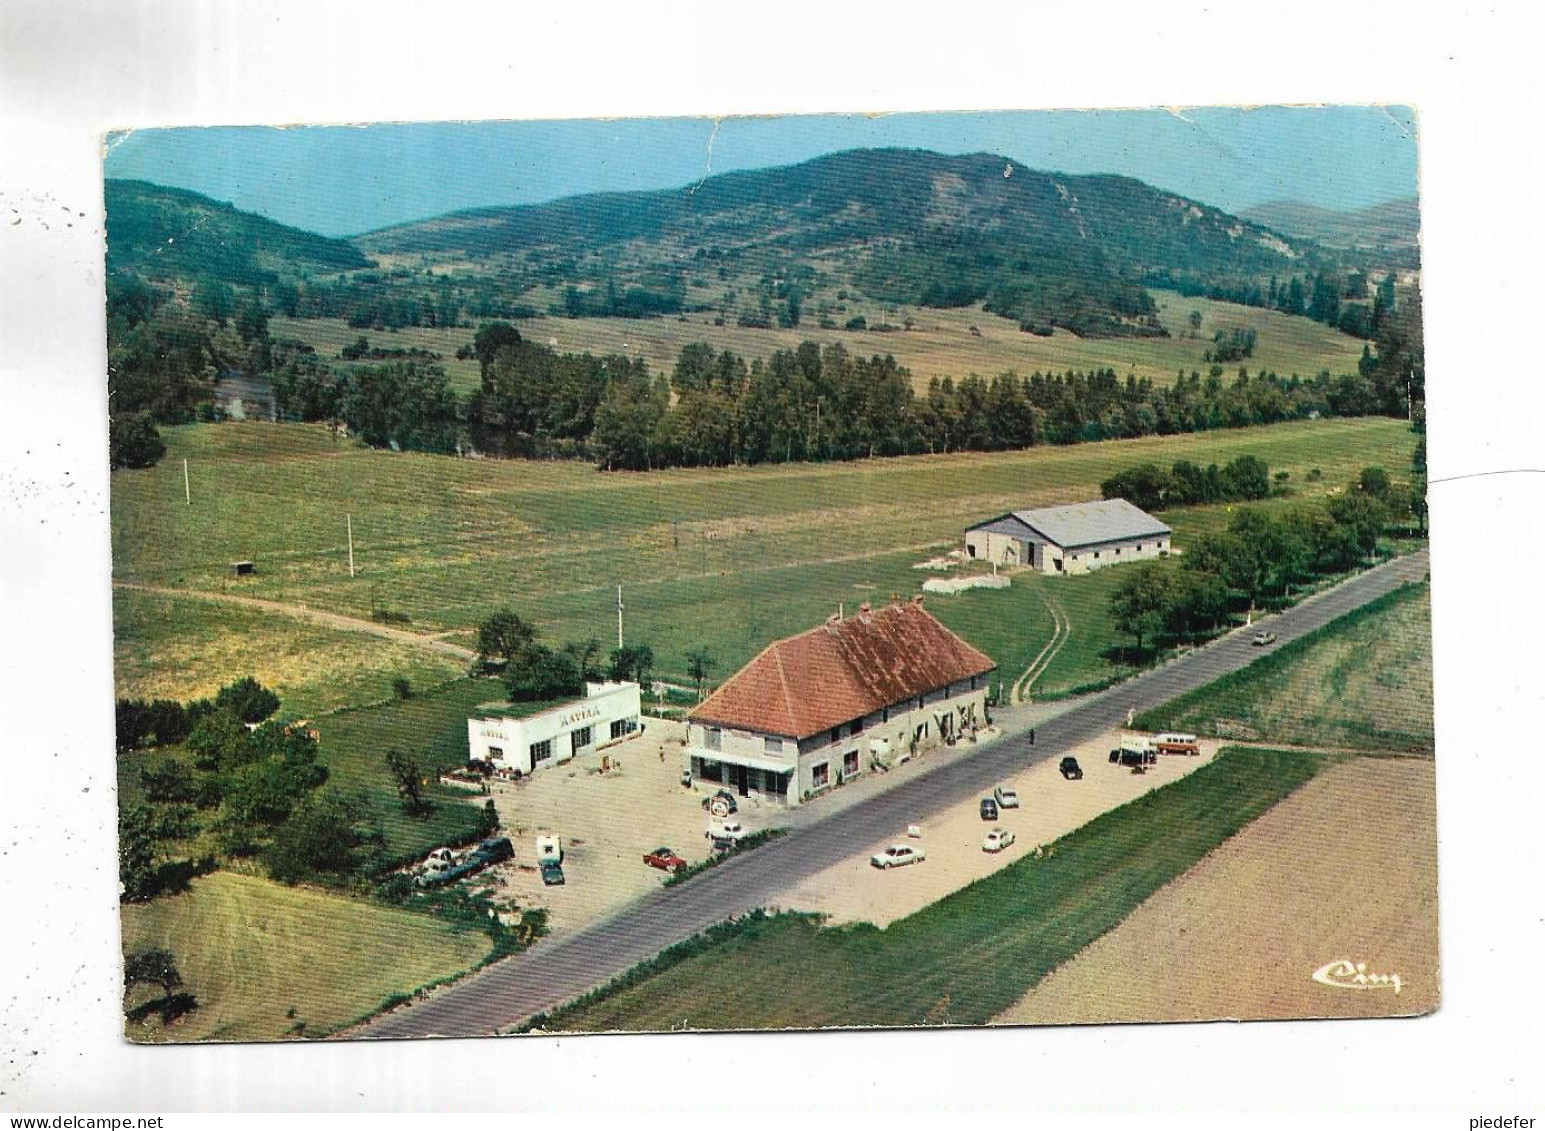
730 832
897 855
1006 798
997 840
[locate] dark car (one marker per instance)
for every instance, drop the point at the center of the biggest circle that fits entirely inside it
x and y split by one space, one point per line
1070 769
552 873
493 851
989 809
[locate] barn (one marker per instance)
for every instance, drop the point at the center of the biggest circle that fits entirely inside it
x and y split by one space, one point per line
1070 539
857 694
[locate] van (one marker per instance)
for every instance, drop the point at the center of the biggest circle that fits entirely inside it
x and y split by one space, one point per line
1176 743
549 849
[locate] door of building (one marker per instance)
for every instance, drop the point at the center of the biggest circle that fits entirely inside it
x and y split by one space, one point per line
738 780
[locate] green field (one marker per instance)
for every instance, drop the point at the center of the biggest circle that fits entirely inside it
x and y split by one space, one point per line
941 344
1362 681
964 959
726 558
252 951
187 647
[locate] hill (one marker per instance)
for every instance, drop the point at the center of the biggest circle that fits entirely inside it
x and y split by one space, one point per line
167 233
1393 225
896 226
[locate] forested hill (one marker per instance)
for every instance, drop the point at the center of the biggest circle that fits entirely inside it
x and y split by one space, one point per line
1394 225
900 226
164 233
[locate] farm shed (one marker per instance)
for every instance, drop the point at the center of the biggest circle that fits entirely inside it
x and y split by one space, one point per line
608 713
1070 539
857 693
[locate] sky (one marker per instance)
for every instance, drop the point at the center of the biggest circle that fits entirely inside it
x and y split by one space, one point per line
343 180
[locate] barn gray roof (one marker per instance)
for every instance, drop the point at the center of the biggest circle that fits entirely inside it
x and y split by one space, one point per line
1088 524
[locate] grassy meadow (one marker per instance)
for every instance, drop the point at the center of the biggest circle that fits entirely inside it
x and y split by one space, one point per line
1362 681
940 345
964 959
725 558
267 961
174 647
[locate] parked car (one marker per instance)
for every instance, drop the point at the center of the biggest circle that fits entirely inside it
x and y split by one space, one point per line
897 855
665 860
721 804
726 834
988 809
495 850
439 860
997 840
1006 798
1261 639
1070 768
552 873
1174 743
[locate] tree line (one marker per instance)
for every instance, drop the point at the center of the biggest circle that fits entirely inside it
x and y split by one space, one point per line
1259 558
714 408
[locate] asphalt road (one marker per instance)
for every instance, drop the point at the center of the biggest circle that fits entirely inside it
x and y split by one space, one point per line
511 991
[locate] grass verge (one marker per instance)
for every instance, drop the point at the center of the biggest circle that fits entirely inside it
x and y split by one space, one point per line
755 840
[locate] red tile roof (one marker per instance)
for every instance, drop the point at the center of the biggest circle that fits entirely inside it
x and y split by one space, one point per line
805 684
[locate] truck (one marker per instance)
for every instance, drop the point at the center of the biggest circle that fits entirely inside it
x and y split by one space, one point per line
1137 752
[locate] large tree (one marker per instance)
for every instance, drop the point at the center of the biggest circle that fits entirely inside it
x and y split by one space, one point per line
504 636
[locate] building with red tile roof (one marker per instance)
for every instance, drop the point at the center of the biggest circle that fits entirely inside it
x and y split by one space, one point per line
840 700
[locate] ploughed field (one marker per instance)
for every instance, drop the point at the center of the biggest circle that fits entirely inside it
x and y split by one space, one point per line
1345 869
728 559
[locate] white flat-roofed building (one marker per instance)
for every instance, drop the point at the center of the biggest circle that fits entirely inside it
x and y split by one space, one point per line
608 713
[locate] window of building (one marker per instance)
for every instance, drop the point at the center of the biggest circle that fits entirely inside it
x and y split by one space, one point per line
496 753
836 734
1097 553
855 727
772 746
541 751
885 714
713 738
581 738
850 763
818 775
621 727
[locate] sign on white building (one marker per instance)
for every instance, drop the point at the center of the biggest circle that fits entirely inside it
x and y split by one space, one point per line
608 713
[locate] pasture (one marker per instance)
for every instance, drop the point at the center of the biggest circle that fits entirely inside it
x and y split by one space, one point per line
173 647
966 958
268 962
723 558
941 343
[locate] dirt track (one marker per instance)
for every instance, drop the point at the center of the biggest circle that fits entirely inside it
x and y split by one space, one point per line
1346 868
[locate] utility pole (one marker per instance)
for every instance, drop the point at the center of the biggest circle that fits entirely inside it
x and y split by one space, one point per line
187 489
349 518
619 616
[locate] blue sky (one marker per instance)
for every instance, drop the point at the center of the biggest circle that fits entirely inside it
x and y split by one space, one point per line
341 180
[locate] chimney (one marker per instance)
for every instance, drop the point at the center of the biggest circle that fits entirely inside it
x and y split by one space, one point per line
863 607
918 600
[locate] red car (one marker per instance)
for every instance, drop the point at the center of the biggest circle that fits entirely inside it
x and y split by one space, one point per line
665 860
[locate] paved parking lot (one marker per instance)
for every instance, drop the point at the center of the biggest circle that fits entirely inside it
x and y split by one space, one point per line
608 820
1050 807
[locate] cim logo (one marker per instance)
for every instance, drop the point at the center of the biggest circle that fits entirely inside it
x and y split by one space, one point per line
1344 974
